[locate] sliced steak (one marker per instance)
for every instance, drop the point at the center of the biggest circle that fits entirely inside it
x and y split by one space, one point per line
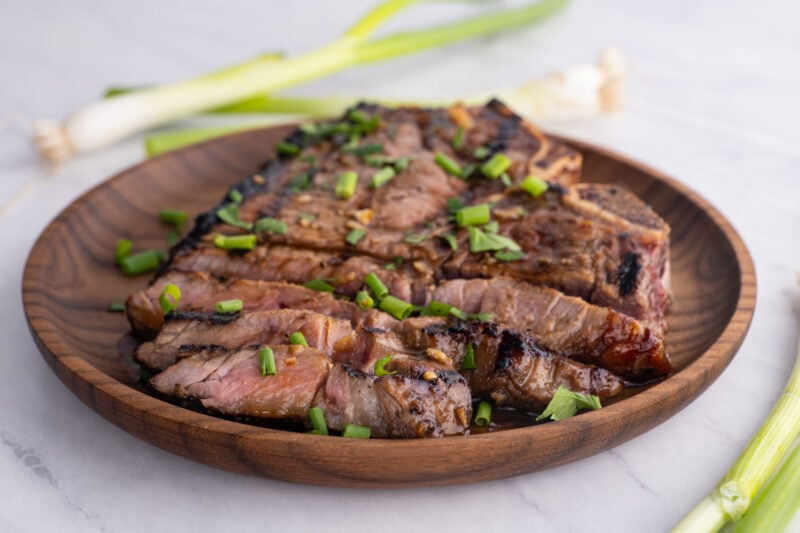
564 325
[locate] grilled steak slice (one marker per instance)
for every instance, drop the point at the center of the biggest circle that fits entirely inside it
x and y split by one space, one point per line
232 383
185 333
564 325
200 292
423 399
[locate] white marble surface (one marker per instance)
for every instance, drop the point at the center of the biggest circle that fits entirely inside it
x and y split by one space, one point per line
713 101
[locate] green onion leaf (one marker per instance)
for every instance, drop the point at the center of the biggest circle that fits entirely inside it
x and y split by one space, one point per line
382 177
509 255
318 420
356 432
169 298
235 242
116 307
566 403
235 196
458 139
469 358
481 152
173 216
229 214
473 215
355 235
271 225
480 241
124 247
447 164
364 300
142 262
495 166
318 285
483 415
396 307
380 364
266 360
376 286
287 148
229 306
533 186
298 338
451 241
346 185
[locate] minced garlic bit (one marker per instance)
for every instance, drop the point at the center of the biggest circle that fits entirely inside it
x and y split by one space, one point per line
461 416
438 356
429 375
291 361
422 267
294 348
459 114
364 216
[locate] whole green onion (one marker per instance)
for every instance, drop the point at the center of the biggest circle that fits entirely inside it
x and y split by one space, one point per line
356 432
533 186
473 215
346 185
376 285
396 307
169 298
447 164
318 420
298 338
483 415
235 242
495 166
266 360
229 306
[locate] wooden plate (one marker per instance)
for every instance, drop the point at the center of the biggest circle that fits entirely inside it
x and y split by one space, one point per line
69 280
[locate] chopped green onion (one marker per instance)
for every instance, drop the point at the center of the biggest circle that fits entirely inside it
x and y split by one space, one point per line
301 182
447 164
469 358
376 285
506 179
458 313
435 308
415 238
355 235
396 307
287 148
235 196
495 166
382 177
124 247
401 164
318 420
468 170
482 317
173 238
229 306
229 213
380 364
509 255
356 432
473 215
480 241
298 338
481 152
566 403
533 186
491 227
141 262
451 241
235 242
483 416
318 285
173 216
271 225
364 301
458 139
357 116
266 360
365 150
346 185
169 298
116 307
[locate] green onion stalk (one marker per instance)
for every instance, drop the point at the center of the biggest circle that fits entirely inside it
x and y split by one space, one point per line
104 122
731 498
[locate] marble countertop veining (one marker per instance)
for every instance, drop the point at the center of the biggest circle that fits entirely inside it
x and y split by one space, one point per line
712 101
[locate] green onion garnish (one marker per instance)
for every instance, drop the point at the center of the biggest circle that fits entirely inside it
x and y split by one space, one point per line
235 242
451 241
116 307
533 186
346 185
229 306
566 403
380 364
376 285
365 150
235 196
229 213
509 255
173 216
447 164
481 152
482 317
506 179
473 215
364 300
266 360
355 235
401 164
483 416
141 262
318 285
480 241
495 166
382 177
357 116
469 358
458 313
396 307
356 432
124 247
435 308
271 225
173 237
298 338
458 139
415 238
169 298
287 148
301 182
491 227
318 420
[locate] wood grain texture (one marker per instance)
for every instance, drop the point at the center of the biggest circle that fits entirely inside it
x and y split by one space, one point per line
69 280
